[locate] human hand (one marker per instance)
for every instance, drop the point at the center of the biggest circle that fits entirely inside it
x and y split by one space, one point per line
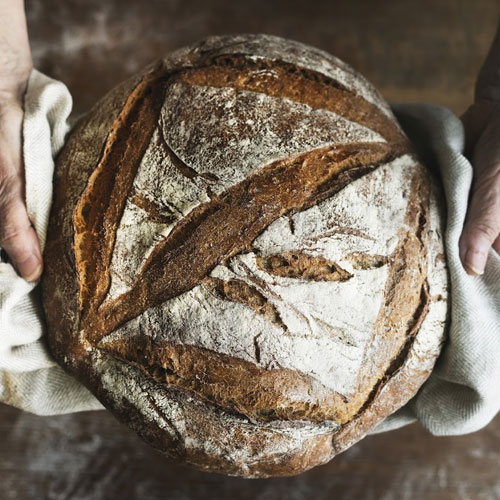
17 236
481 122
29 378
482 225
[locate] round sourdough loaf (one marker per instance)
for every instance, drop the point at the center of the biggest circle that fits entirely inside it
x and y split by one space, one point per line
244 260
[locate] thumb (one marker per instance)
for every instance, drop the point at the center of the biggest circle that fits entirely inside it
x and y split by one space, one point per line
482 227
482 224
17 236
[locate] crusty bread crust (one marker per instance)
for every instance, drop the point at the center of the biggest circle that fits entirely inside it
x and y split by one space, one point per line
216 410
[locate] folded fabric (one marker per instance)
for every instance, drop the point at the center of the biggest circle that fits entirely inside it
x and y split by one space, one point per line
462 393
460 396
29 378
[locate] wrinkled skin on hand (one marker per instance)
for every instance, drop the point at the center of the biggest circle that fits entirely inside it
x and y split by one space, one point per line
481 230
17 236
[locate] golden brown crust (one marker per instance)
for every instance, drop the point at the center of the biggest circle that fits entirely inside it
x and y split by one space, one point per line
267 453
101 204
204 238
74 165
223 379
93 180
406 291
296 264
285 80
283 394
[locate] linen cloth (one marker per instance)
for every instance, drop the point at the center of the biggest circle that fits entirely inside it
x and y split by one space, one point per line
29 378
461 395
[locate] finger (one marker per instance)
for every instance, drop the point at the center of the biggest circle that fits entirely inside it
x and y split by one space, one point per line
17 236
496 245
482 227
462 248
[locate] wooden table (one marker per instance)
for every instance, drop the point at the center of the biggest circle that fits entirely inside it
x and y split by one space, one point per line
412 51
90 456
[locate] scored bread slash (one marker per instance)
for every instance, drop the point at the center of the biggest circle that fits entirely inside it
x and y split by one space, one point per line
244 260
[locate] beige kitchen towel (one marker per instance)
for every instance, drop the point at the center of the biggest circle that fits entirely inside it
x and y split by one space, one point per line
462 394
29 378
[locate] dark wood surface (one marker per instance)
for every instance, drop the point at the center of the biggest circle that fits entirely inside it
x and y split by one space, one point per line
89 456
426 50
412 51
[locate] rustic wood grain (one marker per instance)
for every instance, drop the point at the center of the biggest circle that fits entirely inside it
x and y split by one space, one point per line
90 456
428 50
412 51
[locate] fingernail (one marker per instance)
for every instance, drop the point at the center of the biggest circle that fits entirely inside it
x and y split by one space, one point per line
31 268
475 260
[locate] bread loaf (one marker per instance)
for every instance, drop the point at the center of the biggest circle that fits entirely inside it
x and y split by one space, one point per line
244 260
